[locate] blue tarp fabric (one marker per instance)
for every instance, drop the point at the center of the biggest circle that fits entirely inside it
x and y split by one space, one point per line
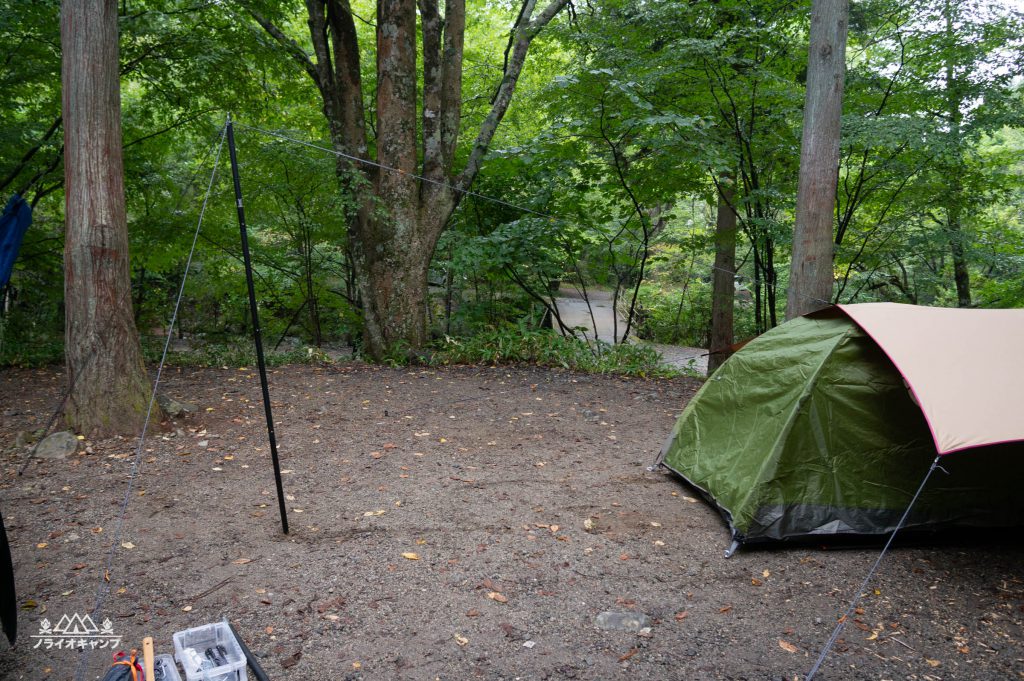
13 224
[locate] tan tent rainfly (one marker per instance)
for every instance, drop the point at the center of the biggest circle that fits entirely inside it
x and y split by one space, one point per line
964 368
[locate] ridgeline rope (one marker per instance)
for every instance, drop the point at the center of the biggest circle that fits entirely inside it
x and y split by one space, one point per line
449 185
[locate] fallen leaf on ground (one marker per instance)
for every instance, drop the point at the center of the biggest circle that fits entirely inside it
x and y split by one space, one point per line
787 646
725 608
631 653
368 514
127 545
333 604
680 616
241 561
409 555
187 608
932 663
496 596
461 640
291 660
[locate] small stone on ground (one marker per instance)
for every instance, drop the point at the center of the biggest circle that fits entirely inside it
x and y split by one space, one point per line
623 621
57 446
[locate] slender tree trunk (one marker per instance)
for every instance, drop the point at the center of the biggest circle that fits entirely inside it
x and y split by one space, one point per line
810 278
110 391
955 234
723 287
954 194
771 282
759 327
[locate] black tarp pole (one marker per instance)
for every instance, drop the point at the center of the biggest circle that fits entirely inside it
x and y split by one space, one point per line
256 335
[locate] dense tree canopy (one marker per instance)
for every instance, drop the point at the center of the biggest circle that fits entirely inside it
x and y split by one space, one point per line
492 151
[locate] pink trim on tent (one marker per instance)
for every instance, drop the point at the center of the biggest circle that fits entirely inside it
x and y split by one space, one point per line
962 366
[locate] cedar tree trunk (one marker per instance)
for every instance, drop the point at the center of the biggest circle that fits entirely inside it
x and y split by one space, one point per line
810 278
109 389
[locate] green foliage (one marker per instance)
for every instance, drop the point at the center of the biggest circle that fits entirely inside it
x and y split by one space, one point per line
511 344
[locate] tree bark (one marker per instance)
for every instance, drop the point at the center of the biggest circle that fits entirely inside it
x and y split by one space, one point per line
109 388
723 286
810 278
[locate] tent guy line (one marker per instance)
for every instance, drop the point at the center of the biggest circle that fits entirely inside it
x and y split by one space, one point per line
103 590
859 593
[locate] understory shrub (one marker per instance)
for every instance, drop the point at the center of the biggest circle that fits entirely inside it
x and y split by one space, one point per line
513 344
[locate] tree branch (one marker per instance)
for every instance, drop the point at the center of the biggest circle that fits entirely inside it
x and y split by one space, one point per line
10 177
523 33
291 47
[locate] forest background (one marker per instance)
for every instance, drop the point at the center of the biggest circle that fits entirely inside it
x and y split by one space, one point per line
635 128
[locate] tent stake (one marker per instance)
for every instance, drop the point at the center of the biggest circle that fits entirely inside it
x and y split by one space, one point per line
256 334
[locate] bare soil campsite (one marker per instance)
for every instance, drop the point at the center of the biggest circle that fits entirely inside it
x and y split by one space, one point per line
460 523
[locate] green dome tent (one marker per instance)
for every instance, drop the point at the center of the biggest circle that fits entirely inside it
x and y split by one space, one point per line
812 430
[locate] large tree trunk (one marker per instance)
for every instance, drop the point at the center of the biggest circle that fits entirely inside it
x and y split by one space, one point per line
400 218
723 279
109 388
810 278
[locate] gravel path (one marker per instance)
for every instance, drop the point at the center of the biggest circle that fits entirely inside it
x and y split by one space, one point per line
598 321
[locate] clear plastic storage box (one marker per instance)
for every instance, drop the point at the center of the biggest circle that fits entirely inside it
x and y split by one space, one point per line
210 653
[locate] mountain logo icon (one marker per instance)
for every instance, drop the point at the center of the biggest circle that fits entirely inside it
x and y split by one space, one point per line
76 625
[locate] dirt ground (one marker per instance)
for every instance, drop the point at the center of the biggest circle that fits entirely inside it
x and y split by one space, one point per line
456 524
